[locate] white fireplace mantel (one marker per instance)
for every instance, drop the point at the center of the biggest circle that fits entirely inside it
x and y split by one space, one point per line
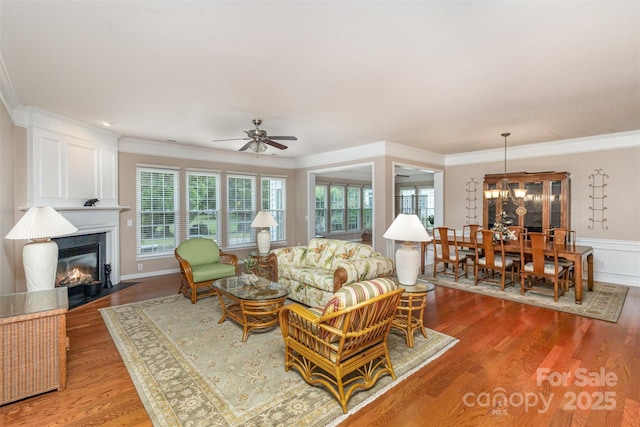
97 219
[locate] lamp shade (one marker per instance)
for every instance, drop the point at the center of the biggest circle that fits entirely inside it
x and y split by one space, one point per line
41 223
263 219
407 228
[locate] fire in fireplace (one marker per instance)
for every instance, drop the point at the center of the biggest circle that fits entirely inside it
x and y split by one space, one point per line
81 261
78 266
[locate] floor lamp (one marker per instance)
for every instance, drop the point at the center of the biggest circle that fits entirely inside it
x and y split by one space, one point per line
40 257
408 229
264 220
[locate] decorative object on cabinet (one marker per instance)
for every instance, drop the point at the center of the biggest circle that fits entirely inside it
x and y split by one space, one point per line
40 257
548 200
503 192
597 196
472 198
408 229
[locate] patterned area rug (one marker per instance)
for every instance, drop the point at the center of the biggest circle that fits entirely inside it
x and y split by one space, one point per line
605 302
189 370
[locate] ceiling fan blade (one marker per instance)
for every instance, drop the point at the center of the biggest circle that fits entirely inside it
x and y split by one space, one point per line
231 139
284 138
245 146
275 144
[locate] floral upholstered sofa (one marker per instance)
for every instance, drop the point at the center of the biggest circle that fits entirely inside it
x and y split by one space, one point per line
313 273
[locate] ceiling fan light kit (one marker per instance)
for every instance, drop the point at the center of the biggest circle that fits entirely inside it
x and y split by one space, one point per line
259 139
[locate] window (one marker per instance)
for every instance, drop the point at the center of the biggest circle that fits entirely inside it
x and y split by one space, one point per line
354 208
203 205
273 200
337 203
407 200
350 208
426 204
157 211
241 209
422 204
321 209
367 208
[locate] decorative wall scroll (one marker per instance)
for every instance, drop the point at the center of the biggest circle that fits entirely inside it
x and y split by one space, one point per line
472 209
597 197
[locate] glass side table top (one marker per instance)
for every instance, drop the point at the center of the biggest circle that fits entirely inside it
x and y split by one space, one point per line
420 286
243 287
33 302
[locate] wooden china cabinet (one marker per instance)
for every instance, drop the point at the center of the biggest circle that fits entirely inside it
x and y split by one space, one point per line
546 203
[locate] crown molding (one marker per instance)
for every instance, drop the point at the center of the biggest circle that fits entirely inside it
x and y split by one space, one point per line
7 94
375 149
612 141
192 152
33 117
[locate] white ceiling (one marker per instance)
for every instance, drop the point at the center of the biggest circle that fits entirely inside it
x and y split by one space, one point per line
444 76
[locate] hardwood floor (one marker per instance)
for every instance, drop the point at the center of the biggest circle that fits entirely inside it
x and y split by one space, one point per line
502 345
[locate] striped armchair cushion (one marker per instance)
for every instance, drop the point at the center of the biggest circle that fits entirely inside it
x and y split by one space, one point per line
355 293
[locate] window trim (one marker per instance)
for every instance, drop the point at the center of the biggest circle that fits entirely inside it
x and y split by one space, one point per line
175 173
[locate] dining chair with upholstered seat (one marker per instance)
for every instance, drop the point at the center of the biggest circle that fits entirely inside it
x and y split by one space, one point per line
542 266
448 254
565 238
490 257
470 233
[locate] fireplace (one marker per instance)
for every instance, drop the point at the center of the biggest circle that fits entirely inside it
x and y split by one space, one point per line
81 263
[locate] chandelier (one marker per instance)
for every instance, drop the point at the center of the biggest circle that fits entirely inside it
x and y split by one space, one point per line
503 192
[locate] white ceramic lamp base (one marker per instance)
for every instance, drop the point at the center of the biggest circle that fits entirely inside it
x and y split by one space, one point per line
264 241
407 264
40 261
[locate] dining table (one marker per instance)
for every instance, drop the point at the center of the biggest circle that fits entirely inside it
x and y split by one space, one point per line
577 254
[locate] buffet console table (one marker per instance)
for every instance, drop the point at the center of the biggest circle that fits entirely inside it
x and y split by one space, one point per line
33 343
573 253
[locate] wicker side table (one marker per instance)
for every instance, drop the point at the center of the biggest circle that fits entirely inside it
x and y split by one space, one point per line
408 317
33 344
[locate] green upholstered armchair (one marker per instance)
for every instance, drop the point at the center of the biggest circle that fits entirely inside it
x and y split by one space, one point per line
201 263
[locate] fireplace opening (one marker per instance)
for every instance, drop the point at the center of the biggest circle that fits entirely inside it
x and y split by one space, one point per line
81 265
78 266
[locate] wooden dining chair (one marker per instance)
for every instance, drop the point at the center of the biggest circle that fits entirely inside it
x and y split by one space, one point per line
470 233
490 257
541 268
565 238
448 254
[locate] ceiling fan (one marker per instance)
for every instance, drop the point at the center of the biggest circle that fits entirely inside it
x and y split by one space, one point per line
258 139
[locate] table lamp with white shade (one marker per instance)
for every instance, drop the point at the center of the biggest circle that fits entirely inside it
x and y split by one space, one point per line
40 257
408 229
264 220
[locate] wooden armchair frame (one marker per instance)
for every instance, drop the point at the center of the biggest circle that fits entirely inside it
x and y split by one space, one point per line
198 290
344 358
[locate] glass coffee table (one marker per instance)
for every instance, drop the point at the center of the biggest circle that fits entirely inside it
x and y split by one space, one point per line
254 304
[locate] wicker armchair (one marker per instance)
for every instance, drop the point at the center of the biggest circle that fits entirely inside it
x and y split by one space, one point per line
342 346
201 263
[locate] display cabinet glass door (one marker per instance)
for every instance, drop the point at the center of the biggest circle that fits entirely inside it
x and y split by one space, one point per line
546 203
533 203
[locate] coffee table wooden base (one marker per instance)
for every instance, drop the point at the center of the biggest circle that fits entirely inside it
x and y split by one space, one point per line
251 314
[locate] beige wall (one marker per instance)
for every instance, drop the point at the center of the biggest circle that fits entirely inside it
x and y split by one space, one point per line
127 193
622 190
7 211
